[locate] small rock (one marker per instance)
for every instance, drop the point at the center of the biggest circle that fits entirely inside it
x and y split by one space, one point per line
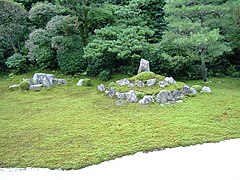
120 95
163 84
186 90
144 66
146 100
101 87
123 82
170 80
35 87
131 85
206 89
131 96
193 90
139 83
59 81
80 82
179 101
151 82
111 92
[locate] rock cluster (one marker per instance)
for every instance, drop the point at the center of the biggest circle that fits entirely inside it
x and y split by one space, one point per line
40 80
163 97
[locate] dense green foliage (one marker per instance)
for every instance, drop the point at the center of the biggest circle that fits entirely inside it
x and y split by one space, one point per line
17 63
179 38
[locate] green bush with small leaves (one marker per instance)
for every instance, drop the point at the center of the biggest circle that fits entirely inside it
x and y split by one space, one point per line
24 85
87 82
197 87
144 76
140 95
17 63
104 75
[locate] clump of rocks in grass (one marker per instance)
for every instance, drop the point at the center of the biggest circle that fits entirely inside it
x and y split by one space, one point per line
38 81
147 87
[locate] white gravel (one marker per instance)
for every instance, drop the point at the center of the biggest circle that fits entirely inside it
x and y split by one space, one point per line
211 161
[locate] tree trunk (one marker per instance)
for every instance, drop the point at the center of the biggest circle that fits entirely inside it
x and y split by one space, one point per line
203 71
13 46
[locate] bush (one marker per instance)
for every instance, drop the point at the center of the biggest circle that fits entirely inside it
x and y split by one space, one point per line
112 84
17 63
197 87
87 82
104 75
140 95
144 76
24 85
160 78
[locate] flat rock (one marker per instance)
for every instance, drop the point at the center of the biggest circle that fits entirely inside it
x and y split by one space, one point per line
13 87
139 83
35 87
163 84
59 81
120 95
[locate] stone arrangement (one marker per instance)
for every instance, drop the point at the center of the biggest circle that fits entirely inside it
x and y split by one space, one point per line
163 97
40 80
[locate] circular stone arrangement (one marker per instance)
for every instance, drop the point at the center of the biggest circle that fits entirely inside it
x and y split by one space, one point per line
148 87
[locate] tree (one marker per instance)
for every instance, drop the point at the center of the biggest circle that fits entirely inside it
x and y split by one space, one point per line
188 36
13 23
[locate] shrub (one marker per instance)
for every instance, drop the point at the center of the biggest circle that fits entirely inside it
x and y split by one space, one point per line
24 85
140 95
104 75
144 76
17 63
87 82
160 78
112 84
197 87
236 74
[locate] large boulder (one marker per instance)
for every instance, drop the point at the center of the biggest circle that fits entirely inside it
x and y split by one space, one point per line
35 87
139 83
144 66
146 100
131 96
123 82
151 82
164 96
42 78
206 89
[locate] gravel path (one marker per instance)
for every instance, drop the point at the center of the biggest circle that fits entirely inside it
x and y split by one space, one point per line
211 161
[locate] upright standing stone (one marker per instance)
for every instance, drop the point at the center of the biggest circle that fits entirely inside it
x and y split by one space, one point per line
144 66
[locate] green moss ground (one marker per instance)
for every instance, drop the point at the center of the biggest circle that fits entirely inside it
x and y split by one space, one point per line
71 127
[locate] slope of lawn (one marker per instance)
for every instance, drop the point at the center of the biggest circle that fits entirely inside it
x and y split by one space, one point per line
72 127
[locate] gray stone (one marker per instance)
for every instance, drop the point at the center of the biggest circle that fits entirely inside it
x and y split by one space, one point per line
111 92
123 82
131 85
170 80
38 78
139 83
59 81
35 87
163 84
146 100
13 87
179 101
206 89
186 90
144 66
164 96
120 95
193 90
131 96
46 82
176 94
101 87
151 82
80 82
